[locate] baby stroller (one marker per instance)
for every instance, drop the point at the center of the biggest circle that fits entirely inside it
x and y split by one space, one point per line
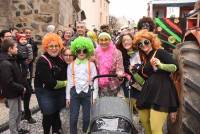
111 115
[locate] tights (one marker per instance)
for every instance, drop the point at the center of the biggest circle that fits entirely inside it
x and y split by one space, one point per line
152 120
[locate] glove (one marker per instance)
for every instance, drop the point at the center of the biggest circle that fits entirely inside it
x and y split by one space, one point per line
60 84
167 67
138 78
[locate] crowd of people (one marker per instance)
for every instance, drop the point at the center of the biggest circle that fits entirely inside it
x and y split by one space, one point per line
71 58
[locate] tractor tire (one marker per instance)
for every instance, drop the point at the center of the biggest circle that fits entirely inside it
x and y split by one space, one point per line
187 55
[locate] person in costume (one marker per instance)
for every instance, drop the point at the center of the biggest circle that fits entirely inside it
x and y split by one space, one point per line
50 83
109 61
158 96
79 74
131 58
146 23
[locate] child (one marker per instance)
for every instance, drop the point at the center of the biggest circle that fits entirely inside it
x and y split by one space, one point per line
25 56
79 73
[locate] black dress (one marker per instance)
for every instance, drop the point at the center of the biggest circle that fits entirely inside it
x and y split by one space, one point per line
158 91
50 100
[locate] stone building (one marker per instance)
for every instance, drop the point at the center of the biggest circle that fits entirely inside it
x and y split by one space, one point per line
37 14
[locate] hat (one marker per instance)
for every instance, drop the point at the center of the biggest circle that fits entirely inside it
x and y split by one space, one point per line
104 34
19 36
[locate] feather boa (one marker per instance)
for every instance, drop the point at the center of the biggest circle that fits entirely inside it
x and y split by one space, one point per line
105 62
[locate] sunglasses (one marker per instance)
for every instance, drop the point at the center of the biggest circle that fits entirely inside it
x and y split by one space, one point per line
143 43
82 50
53 46
104 39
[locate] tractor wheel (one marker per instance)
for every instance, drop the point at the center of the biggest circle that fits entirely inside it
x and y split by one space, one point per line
188 57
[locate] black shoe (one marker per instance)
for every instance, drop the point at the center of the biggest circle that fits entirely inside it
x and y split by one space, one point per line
23 131
31 120
6 103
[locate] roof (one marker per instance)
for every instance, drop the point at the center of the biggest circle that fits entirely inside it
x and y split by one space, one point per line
172 1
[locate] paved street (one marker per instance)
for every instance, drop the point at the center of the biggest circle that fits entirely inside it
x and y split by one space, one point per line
37 128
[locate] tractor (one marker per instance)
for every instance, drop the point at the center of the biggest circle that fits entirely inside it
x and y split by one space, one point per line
187 55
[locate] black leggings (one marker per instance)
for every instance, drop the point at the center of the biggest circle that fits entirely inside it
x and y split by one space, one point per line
52 120
26 101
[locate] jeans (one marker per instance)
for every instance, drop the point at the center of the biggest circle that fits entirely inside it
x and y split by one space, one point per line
14 114
76 101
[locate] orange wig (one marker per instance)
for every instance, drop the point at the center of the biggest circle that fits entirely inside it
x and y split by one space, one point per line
51 37
144 34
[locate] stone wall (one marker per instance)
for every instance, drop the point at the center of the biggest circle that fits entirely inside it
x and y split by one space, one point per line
4 14
36 14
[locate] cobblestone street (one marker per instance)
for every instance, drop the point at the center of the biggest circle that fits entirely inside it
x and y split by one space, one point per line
37 127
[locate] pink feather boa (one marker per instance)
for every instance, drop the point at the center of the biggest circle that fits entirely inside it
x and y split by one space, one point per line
105 62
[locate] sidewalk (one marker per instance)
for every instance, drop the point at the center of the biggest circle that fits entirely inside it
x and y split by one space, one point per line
4 112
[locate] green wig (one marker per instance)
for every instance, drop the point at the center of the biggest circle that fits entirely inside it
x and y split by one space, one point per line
82 43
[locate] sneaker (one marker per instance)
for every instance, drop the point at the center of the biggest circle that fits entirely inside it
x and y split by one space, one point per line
23 131
31 120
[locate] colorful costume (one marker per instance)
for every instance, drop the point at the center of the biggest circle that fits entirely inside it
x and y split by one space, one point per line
79 74
108 61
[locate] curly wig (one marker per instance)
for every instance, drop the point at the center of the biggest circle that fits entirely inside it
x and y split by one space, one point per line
82 43
145 34
144 20
155 41
51 37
